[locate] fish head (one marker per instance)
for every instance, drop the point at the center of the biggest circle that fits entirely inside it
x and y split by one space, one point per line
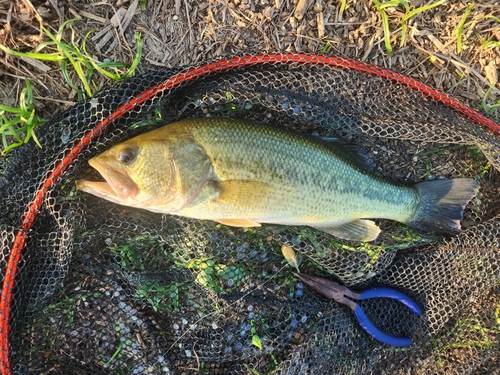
137 173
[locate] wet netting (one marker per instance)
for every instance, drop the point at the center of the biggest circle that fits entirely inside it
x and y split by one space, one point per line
90 287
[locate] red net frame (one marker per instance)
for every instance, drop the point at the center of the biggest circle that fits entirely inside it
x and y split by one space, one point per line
179 79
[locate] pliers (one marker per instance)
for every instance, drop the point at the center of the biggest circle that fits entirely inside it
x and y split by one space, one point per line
339 293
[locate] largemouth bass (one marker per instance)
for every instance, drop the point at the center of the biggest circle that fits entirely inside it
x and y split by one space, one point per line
241 173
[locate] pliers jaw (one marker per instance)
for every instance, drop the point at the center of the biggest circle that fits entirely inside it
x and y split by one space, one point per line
330 289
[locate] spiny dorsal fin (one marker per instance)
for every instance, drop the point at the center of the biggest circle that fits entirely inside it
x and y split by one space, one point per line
352 152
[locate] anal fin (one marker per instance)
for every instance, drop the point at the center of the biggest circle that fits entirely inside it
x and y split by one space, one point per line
242 223
357 230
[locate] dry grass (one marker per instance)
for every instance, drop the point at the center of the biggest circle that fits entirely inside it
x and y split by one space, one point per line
181 32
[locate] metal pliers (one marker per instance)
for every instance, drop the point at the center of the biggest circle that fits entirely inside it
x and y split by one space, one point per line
340 293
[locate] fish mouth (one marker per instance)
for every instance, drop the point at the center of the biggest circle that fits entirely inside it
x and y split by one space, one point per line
117 187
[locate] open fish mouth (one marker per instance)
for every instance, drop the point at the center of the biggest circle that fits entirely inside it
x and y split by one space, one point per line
117 187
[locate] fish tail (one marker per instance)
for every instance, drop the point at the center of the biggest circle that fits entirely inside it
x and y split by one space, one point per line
442 204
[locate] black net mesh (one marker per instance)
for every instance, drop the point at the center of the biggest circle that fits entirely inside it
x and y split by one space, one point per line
100 288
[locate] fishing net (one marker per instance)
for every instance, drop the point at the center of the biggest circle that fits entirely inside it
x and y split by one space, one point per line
90 287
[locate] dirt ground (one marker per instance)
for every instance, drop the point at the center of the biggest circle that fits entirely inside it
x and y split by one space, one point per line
184 32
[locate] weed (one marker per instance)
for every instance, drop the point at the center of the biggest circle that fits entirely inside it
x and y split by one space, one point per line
19 123
488 42
251 370
343 6
491 110
326 47
159 297
459 29
116 354
380 7
255 337
466 327
16 121
216 276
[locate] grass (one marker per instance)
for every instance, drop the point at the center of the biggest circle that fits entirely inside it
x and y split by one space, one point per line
78 67
343 6
17 124
367 254
485 336
140 258
217 276
492 110
409 14
460 26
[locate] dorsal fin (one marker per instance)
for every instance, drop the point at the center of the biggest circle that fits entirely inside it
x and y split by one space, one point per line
352 152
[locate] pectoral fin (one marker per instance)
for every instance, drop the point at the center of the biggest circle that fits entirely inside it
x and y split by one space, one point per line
242 192
357 230
242 223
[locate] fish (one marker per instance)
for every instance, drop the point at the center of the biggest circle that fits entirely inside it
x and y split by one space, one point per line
242 173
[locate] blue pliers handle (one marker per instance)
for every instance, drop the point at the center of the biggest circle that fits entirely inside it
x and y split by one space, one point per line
339 293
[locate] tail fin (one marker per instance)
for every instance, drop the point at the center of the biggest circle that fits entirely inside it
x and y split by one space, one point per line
442 204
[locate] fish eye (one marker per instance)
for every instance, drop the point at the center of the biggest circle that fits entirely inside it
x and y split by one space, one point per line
127 155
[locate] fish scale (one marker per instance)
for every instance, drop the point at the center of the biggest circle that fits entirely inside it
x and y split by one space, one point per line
318 175
243 173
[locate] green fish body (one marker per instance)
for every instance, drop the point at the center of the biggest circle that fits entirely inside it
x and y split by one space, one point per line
243 173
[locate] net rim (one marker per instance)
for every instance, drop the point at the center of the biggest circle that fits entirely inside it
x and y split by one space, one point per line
188 75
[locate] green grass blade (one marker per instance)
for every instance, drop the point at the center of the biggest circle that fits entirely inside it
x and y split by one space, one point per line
7 129
77 65
490 109
460 26
32 55
489 44
100 67
385 22
424 8
343 6
137 58
26 97
492 16
326 47
392 3
387 32
67 78
10 147
33 121
78 61
20 122
6 108
404 31
72 55
41 46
